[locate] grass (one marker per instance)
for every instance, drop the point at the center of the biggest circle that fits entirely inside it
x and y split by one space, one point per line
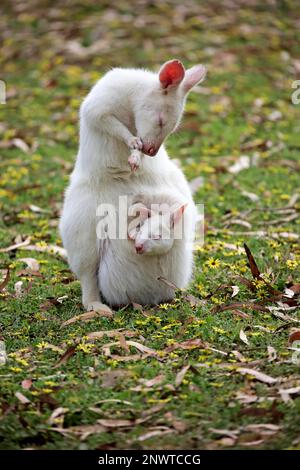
251 56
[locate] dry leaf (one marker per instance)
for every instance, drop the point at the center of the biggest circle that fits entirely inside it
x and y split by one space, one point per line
56 413
66 356
26 384
5 281
32 263
258 375
272 354
85 317
235 305
243 337
3 355
294 335
180 375
24 400
21 144
235 290
155 381
286 392
82 431
241 164
139 346
188 344
154 433
19 289
123 343
50 249
16 246
253 266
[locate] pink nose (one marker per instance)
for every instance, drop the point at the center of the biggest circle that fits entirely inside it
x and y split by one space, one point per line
139 249
149 149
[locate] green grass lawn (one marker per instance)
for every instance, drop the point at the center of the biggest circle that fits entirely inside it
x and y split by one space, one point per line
190 390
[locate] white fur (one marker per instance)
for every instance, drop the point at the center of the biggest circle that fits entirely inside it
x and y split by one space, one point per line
124 104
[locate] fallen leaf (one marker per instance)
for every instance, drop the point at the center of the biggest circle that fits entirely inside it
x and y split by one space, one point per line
5 281
82 431
85 317
50 249
135 344
286 392
294 335
235 305
120 423
243 337
58 412
26 384
272 354
180 375
24 400
19 289
66 356
253 266
235 290
16 246
32 263
188 344
242 163
154 433
155 381
21 144
3 355
123 343
260 376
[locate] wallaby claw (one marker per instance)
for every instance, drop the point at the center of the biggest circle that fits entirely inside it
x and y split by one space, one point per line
100 308
134 160
135 143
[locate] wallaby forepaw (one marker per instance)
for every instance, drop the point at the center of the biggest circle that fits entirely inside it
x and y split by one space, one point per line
100 308
135 143
134 160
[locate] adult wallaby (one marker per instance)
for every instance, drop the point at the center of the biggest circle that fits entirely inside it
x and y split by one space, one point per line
124 121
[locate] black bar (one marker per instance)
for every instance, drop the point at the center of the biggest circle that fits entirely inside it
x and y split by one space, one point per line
133 459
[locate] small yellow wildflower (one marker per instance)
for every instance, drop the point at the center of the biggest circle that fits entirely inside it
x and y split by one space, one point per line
292 263
213 263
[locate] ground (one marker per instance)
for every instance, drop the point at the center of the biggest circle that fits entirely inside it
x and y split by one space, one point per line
63 388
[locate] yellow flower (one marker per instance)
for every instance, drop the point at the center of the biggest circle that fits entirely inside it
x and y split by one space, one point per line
164 306
219 330
292 263
85 347
213 263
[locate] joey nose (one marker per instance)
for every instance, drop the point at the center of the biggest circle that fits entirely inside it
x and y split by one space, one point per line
139 249
150 149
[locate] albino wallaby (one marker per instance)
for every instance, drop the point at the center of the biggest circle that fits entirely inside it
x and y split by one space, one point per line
124 121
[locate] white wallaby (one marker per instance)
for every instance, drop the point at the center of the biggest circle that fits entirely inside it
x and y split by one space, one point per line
124 121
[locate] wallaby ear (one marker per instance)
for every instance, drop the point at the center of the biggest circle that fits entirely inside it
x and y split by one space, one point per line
193 76
177 214
171 74
140 209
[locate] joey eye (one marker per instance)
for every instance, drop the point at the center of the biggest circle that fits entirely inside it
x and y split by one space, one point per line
161 122
156 237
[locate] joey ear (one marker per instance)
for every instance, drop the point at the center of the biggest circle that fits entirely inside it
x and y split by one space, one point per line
177 214
193 76
139 209
171 74
144 212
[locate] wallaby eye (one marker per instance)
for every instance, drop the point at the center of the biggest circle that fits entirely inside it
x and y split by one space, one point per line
161 122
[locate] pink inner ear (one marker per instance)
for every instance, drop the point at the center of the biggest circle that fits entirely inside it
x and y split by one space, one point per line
176 215
171 73
193 76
